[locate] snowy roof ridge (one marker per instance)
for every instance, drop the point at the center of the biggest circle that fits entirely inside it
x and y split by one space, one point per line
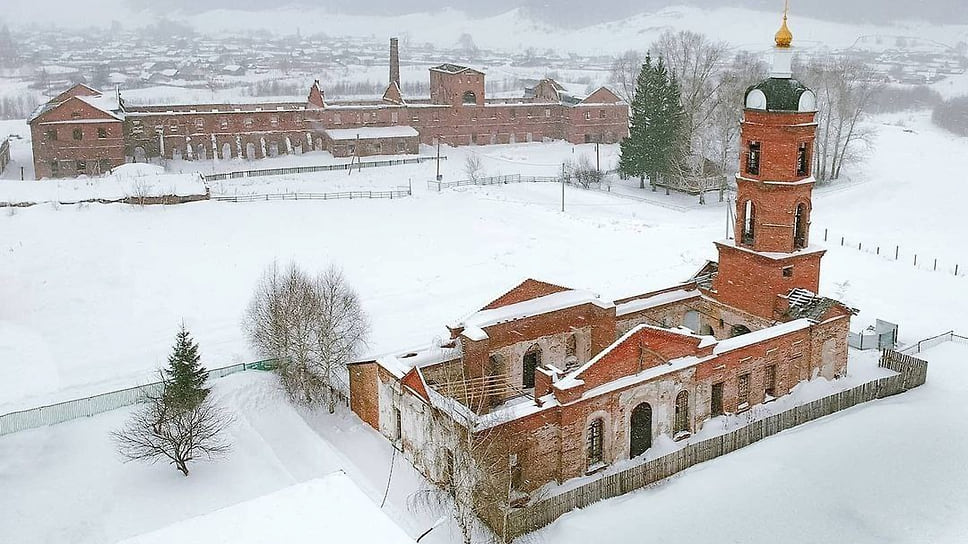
529 308
754 337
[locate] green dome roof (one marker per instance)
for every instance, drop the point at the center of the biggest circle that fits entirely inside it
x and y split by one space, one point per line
782 94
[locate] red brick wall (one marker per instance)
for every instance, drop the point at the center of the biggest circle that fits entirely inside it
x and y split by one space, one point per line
364 393
752 282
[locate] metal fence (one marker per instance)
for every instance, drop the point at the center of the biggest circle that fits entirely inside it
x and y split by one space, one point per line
929 343
350 195
911 373
310 169
105 402
492 180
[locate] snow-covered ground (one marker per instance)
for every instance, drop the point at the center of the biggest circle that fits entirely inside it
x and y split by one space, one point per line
92 296
126 276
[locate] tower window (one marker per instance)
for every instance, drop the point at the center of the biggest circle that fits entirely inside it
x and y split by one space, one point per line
102 133
51 135
749 220
753 159
78 134
787 271
469 97
800 227
803 159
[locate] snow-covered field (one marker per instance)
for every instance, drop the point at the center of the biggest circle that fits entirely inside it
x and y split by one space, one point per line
92 296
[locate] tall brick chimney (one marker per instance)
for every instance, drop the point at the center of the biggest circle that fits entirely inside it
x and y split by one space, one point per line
394 62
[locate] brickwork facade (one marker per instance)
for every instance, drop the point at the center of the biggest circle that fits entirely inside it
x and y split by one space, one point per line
457 113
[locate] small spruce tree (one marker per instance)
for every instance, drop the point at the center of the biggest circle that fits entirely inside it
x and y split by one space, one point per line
185 377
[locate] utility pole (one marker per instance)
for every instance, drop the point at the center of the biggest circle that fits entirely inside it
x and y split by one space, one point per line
598 161
562 187
438 160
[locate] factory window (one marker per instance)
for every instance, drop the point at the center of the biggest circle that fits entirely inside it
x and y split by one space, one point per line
102 133
78 134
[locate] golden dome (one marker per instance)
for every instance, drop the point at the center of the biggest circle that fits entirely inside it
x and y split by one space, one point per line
783 36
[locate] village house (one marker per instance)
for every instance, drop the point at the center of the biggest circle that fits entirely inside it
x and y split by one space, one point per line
568 384
84 131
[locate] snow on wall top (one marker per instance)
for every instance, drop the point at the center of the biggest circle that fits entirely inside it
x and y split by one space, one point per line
371 133
645 303
332 508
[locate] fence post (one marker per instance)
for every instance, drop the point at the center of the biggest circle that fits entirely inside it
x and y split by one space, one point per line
936 263
956 269
878 250
915 259
824 235
858 246
897 252
841 240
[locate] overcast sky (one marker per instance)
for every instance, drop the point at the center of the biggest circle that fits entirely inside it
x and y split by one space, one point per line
577 12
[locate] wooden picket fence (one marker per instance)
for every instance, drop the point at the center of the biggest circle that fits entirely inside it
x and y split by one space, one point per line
912 373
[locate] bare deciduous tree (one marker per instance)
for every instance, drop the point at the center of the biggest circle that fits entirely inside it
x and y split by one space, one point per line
159 431
311 326
624 72
845 87
473 167
695 62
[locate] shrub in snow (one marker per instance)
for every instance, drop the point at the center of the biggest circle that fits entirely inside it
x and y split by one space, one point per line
312 326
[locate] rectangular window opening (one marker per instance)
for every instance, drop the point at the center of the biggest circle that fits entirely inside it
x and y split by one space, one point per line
753 159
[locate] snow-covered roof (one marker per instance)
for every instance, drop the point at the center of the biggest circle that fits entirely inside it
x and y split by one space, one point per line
475 323
448 68
658 299
371 133
754 337
330 509
401 361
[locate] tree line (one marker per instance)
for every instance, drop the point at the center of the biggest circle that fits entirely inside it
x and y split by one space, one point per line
952 115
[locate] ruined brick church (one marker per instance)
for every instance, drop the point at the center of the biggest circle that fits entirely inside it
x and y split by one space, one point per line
573 383
85 131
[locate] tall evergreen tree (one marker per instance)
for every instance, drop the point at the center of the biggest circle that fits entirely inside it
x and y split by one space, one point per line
656 125
185 377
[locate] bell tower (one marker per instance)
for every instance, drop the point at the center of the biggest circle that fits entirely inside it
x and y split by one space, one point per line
770 254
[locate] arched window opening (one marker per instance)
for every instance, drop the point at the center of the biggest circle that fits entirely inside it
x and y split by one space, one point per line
640 435
530 363
739 330
681 423
803 159
749 220
469 98
594 442
800 227
753 159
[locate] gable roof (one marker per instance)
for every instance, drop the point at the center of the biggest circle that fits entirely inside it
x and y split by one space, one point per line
659 345
414 381
315 97
602 95
393 94
526 290
472 327
94 107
